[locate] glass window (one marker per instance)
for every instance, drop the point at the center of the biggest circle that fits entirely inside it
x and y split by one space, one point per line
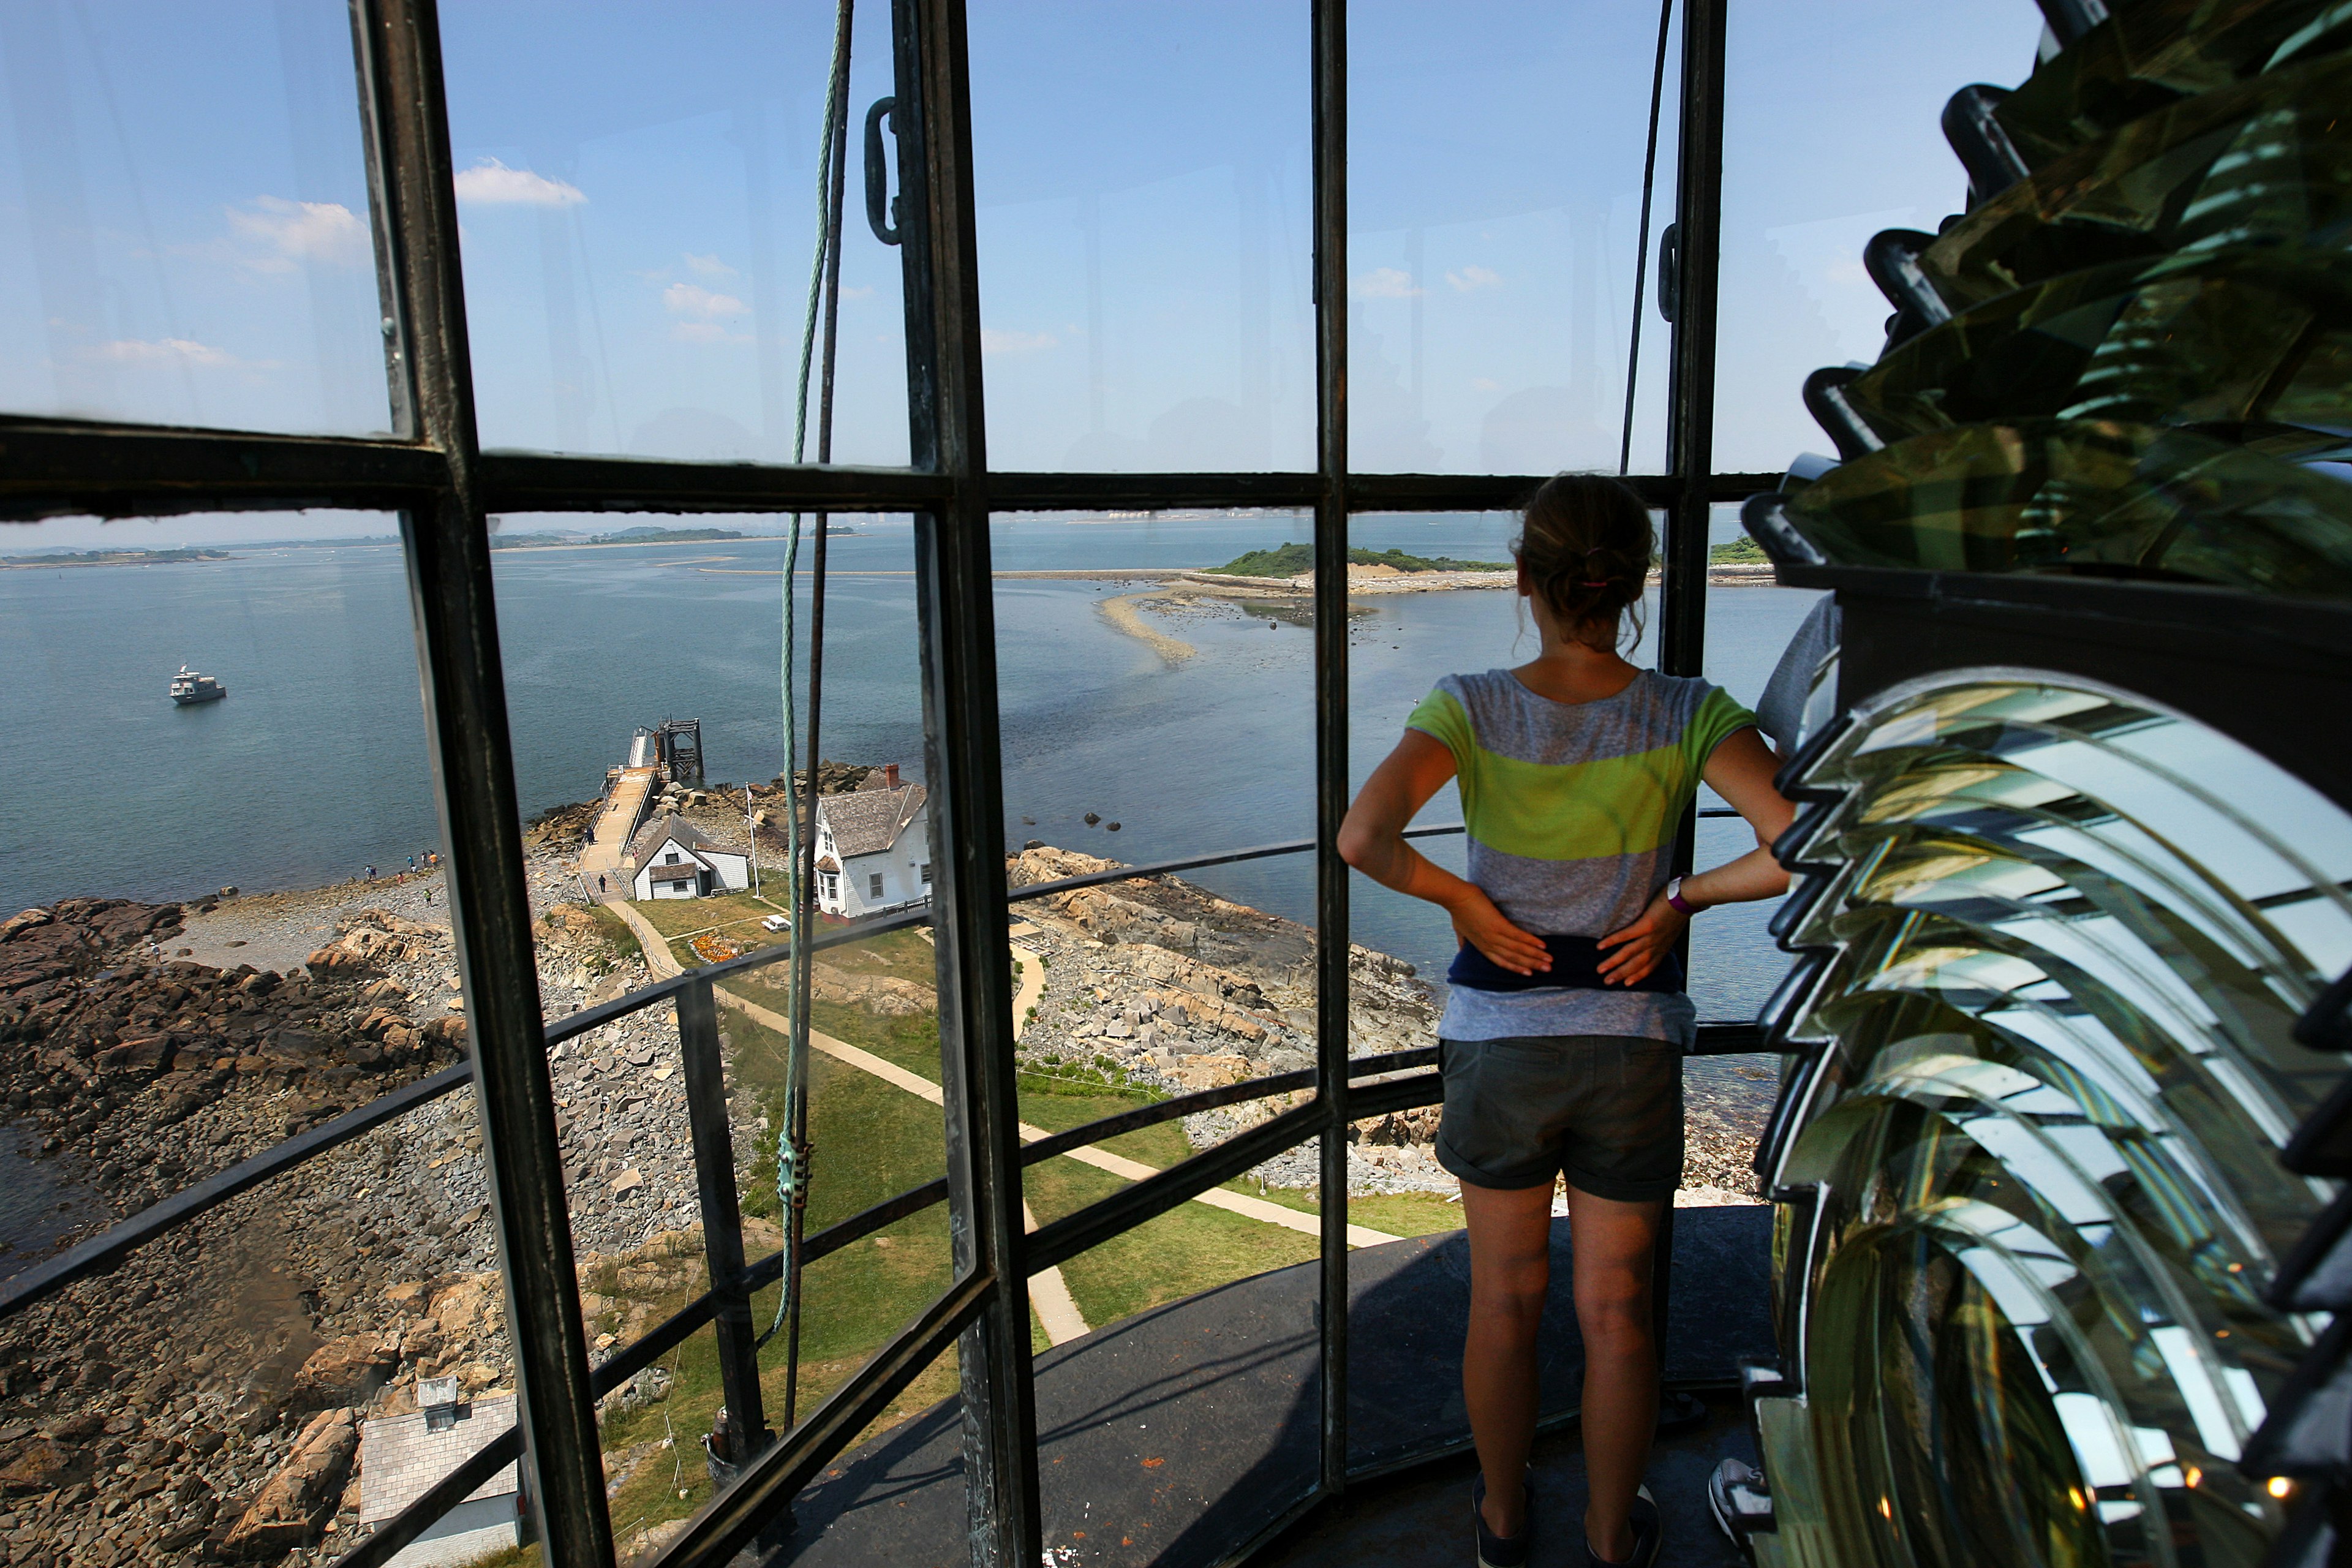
639 191
1146 261
1832 134
1494 221
184 232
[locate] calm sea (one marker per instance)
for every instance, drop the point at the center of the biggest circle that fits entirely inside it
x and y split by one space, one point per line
315 765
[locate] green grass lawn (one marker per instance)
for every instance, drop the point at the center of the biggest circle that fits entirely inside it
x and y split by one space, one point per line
735 916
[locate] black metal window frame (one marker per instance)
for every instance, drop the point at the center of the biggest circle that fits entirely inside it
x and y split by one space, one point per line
434 475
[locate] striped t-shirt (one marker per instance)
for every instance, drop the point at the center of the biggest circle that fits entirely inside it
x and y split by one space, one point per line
1571 809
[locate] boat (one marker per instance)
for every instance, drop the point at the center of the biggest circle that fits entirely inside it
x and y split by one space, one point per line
188 687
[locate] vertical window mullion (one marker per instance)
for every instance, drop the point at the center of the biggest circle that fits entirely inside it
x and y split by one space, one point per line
1331 945
448 548
956 628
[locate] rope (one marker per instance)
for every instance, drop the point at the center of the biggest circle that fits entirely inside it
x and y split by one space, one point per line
1642 246
791 1178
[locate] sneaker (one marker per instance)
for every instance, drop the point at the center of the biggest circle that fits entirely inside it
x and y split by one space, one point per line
1645 1537
1502 1550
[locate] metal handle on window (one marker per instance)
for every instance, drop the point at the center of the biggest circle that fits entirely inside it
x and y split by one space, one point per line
1670 271
878 171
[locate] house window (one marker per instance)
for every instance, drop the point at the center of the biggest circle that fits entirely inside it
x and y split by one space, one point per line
873 886
670 858
829 884
926 873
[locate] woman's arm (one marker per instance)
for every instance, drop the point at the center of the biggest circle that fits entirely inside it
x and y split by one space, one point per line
1372 840
1739 770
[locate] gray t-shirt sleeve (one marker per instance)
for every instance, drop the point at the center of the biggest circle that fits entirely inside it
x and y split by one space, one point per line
1780 711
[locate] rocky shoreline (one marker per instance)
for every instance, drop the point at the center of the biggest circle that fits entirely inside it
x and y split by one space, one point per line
238 1356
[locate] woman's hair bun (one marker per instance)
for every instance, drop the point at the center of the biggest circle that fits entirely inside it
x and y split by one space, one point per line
1586 542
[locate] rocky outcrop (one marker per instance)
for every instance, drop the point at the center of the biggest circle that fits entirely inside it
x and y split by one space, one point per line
301 1497
885 996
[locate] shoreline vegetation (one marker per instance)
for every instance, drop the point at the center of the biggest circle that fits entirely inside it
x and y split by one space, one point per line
1285 578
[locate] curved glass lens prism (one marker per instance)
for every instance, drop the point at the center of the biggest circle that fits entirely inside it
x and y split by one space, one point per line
2254 346
2058 940
2266 161
2145 56
2086 497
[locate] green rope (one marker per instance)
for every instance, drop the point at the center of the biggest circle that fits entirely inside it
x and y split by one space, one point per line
789 1176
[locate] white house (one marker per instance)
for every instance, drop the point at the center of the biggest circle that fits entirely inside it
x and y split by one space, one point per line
671 858
872 846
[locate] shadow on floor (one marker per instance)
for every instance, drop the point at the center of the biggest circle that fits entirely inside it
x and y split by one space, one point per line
1178 1435
1423 1517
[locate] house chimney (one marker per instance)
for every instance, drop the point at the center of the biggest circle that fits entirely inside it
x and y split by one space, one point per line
889 775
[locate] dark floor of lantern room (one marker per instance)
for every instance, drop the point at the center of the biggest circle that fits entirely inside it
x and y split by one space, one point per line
1178 1436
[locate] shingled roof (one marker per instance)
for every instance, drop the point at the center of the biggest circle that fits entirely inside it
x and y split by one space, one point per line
650 837
868 821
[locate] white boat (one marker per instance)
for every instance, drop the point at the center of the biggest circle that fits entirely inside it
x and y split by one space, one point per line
188 687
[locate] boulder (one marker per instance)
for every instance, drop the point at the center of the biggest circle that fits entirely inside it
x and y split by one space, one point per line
346 1371
23 922
301 1496
40 1466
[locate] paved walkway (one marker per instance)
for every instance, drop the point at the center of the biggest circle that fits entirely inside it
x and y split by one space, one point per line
601 855
1049 1292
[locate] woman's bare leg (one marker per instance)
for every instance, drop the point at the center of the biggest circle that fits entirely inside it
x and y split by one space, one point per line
1510 1268
1620 1414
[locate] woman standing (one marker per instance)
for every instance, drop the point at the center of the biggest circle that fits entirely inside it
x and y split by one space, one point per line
1566 1023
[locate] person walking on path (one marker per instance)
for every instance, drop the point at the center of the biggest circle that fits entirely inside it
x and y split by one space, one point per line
600 884
1565 1020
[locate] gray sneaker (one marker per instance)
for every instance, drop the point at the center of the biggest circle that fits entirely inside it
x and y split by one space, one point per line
1645 1537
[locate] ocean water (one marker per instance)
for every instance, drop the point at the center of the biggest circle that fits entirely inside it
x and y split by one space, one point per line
315 766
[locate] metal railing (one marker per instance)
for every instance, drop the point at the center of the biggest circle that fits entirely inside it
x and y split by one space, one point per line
775 1476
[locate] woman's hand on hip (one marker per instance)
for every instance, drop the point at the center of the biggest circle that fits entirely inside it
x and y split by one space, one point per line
1643 945
1477 922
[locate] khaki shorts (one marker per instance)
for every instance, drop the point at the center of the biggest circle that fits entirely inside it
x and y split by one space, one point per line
1605 1111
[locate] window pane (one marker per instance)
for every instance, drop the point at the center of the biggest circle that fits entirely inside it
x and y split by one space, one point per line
1146 259
1802 192
1151 714
185 235
1494 221
1750 623
236 931
638 190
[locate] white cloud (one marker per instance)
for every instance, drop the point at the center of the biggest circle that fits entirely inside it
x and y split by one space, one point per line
709 266
1474 277
168 350
491 183
995 341
1385 283
693 300
284 235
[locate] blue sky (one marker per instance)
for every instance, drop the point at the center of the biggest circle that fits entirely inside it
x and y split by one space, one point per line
183 222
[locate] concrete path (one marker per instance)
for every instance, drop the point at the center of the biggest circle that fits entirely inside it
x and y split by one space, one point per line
1056 1309
1049 1293
601 855
1100 1159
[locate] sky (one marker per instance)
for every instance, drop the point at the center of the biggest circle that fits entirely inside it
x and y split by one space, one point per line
185 235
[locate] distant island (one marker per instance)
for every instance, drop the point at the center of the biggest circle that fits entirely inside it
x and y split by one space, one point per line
1740 552
640 535
1291 559
111 558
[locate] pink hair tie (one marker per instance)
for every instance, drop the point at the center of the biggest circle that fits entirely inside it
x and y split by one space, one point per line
1595 584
